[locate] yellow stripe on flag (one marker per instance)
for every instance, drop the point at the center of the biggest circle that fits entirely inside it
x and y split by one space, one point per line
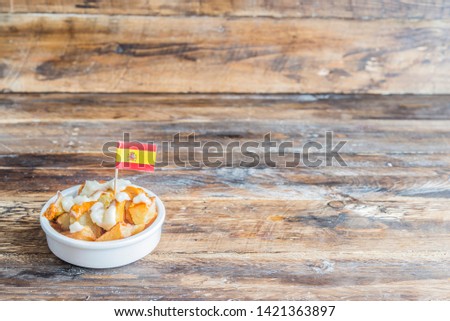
135 156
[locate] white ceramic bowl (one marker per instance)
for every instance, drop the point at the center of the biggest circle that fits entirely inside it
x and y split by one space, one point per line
106 254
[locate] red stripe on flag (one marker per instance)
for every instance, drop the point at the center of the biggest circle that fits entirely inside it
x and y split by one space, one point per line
137 145
136 166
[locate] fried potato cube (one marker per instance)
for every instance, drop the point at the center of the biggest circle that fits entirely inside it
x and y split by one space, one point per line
79 209
133 191
120 211
127 218
119 231
63 221
86 220
55 209
56 226
85 234
106 198
138 228
80 189
142 213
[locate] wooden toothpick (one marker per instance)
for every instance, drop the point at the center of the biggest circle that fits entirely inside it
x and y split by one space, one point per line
116 174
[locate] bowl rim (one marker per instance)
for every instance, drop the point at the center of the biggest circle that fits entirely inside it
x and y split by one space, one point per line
92 245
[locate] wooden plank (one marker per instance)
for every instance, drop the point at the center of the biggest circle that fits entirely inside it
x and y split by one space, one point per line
250 250
66 53
371 125
223 277
272 226
370 137
362 9
93 160
330 183
17 108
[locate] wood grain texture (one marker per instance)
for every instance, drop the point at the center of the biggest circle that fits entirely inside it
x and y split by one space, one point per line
92 160
223 249
57 107
240 183
377 229
371 125
361 9
96 53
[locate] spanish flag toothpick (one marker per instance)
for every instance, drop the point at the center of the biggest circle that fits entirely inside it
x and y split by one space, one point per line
134 155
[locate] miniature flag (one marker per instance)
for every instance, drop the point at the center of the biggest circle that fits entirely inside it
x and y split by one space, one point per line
135 155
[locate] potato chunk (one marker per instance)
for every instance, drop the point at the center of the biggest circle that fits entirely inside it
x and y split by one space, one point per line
63 221
120 211
138 228
80 189
86 221
106 198
55 209
120 231
142 213
85 234
127 217
133 191
79 209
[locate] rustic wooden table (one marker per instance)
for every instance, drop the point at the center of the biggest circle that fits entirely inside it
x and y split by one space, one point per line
376 229
75 74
